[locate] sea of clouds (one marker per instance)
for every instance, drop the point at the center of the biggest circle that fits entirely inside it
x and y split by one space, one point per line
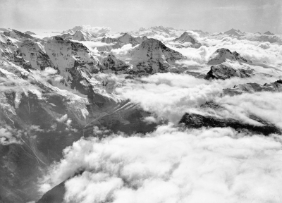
173 164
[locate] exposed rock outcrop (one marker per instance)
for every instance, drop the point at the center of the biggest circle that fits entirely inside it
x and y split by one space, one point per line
199 121
254 87
223 72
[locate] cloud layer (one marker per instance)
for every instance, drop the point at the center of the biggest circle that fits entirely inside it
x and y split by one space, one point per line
171 165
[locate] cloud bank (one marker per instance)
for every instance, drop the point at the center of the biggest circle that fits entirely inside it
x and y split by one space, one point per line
172 165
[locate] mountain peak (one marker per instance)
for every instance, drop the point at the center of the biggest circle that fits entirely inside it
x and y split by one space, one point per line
152 56
153 44
234 32
221 55
186 37
91 31
268 33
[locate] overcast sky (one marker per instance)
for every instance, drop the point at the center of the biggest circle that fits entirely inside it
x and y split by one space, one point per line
126 15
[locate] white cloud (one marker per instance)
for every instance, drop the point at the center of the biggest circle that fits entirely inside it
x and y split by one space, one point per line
9 136
150 119
241 106
63 118
174 165
169 165
170 95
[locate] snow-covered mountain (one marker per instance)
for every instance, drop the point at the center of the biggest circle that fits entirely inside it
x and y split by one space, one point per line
85 83
258 36
122 40
222 71
221 55
254 87
187 39
50 97
112 64
152 56
86 32
233 32
158 32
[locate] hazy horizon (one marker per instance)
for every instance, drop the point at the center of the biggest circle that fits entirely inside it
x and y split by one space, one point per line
126 15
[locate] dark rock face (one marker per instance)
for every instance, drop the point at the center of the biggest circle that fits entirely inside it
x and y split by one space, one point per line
29 33
223 72
221 55
73 61
55 195
17 34
34 54
127 39
254 87
199 121
113 64
44 133
40 136
41 127
7 48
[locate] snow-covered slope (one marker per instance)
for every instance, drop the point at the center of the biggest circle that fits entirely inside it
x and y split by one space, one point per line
86 32
221 55
158 32
188 39
35 54
152 56
254 87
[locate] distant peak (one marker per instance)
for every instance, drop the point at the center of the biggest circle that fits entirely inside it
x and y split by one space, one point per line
89 29
126 35
268 33
234 32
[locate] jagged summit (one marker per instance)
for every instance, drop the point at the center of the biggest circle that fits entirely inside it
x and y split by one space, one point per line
186 37
85 33
158 32
34 53
234 32
152 44
127 39
55 90
254 87
98 31
223 72
16 34
112 64
268 33
221 55
80 35
120 41
30 33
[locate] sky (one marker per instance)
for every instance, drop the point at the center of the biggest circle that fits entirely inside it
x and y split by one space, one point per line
127 15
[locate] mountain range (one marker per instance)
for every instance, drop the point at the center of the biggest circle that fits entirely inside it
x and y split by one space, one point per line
56 90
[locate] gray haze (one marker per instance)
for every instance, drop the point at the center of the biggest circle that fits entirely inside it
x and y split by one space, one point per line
124 15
